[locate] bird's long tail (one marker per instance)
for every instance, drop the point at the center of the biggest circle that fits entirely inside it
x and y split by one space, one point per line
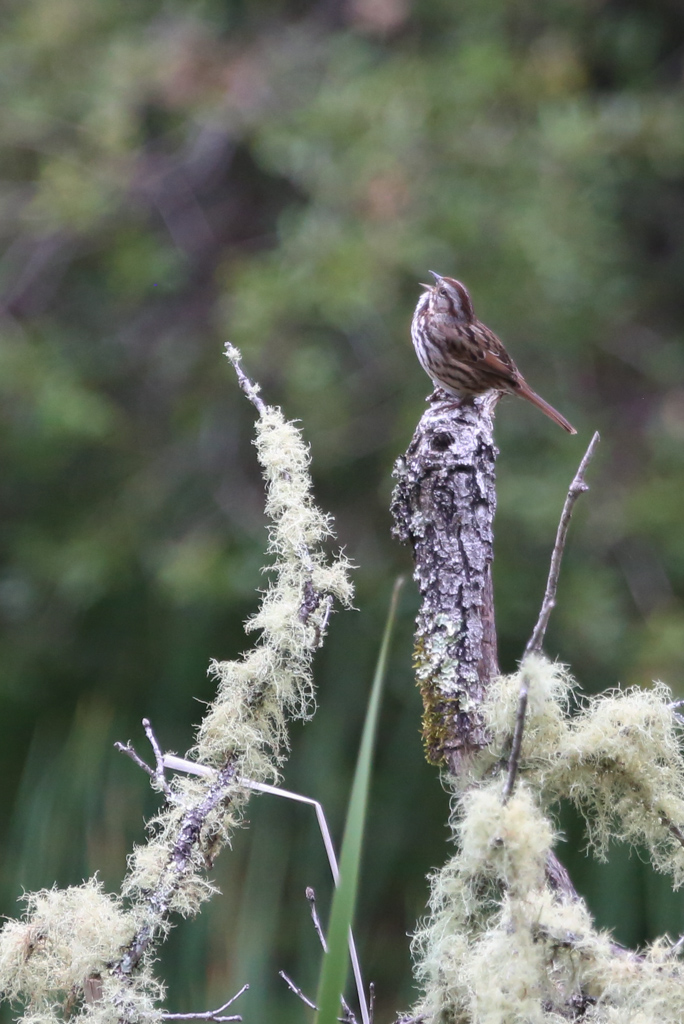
525 391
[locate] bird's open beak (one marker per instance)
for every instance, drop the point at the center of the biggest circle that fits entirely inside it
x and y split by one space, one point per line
423 285
437 277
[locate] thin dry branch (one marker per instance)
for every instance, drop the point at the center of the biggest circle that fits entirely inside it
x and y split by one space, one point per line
516 746
311 897
214 1015
297 990
129 750
348 1018
366 1010
577 487
157 774
209 1015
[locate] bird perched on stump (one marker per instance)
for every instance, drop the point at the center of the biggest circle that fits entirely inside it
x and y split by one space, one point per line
461 354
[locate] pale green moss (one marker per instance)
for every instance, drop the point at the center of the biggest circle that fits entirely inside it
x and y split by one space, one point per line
509 842
273 680
500 946
550 689
64 960
57 957
618 759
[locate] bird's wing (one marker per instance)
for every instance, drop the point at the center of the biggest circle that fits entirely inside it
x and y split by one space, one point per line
477 345
494 362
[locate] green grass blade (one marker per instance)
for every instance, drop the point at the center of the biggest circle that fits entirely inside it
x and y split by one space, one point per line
336 961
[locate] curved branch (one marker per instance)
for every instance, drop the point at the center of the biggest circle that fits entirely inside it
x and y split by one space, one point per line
577 487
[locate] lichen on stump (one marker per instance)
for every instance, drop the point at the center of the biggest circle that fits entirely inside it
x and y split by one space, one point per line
443 506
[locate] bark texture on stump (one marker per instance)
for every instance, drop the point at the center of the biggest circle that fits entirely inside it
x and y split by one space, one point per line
443 506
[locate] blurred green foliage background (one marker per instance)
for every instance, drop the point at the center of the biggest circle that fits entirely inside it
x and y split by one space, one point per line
283 174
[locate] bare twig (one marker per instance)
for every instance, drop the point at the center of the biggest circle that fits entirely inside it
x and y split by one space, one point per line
209 1015
516 746
156 774
311 897
129 751
249 387
149 732
348 1018
348 1012
371 1001
214 1015
297 990
577 487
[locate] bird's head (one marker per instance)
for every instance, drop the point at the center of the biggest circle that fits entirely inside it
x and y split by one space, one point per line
448 297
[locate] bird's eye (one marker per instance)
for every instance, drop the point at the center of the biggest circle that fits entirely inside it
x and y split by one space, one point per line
442 292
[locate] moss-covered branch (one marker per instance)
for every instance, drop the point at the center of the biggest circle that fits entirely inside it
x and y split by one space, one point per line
501 945
84 954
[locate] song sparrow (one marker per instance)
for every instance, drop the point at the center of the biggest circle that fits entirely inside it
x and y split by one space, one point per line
461 354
